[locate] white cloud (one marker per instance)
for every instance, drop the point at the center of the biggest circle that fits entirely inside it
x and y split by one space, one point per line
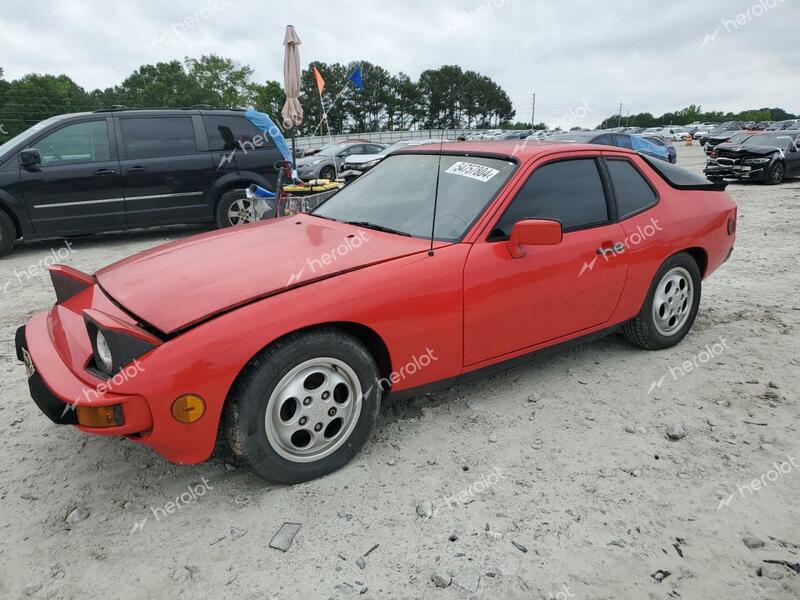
647 54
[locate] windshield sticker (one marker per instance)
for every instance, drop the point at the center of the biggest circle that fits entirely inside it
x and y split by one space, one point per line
473 171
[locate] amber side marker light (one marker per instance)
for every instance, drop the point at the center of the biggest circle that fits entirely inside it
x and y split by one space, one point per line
188 408
99 416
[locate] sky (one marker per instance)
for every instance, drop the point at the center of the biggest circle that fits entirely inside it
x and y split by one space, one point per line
581 58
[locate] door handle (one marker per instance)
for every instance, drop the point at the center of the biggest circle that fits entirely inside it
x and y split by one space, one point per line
104 172
137 169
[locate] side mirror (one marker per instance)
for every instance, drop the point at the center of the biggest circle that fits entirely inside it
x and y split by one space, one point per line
533 232
30 158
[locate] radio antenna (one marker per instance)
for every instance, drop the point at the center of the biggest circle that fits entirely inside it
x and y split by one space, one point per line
436 192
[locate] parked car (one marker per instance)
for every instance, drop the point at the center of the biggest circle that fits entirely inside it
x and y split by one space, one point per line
672 153
781 125
769 158
328 161
118 169
356 165
291 355
621 140
721 129
725 136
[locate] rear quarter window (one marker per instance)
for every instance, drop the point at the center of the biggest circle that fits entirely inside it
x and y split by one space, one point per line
632 191
230 132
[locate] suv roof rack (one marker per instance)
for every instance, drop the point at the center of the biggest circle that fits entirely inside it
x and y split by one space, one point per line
119 107
112 108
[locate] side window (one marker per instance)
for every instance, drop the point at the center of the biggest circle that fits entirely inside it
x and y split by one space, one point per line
78 143
226 133
144 137
373 149
623 141
604 139
632 191
568 191
352 150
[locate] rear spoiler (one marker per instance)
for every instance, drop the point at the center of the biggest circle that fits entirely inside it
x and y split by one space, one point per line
682 179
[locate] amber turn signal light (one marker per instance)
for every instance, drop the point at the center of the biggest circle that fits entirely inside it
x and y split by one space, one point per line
99 416
188 408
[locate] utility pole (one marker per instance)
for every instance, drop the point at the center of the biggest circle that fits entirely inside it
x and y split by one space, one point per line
533 110
619 119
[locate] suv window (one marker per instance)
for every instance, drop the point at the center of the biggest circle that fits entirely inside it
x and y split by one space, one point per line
144 137
632 191
77 143
568 191
228 133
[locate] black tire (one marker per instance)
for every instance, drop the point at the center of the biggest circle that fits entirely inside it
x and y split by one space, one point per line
244 418
224 204
327 172
643 330
8 233
776 173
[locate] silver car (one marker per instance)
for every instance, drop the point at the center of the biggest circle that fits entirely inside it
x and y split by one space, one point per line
326 163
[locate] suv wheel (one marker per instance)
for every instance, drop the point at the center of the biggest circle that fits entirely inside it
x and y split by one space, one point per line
8 233
235 208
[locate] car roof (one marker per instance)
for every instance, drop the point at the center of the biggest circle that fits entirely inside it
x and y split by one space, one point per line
522 150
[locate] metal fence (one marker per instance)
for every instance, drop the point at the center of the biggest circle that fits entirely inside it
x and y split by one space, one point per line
380 137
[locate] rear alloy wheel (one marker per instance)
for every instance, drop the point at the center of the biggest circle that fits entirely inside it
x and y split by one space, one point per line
327 172
235 208
776 173
304 407
8 233
671 305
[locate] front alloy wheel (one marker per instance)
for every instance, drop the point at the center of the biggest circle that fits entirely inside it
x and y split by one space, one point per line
304 406
776 174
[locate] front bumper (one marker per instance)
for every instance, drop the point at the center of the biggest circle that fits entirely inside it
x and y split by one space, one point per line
58 392
736 171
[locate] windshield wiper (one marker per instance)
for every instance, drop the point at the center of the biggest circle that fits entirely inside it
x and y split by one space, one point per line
369 225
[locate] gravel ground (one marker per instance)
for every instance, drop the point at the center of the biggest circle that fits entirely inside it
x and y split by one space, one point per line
553 480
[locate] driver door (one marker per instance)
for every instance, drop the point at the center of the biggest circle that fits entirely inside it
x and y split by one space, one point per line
77 187
516 303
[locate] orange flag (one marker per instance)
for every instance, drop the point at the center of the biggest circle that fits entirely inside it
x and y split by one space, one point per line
320 80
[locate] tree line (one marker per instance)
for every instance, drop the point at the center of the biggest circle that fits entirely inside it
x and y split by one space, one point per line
447 97
695 114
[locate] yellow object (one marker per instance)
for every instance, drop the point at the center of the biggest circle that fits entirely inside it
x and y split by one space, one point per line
97 416
188 408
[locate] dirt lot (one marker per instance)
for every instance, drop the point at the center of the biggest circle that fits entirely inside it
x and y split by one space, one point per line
553 480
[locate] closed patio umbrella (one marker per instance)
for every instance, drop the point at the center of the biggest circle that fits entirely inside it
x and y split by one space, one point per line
292 112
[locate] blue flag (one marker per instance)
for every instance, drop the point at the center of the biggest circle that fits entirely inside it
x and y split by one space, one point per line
356 80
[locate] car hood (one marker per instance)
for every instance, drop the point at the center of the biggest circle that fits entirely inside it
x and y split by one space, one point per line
179 284
361 159
754 150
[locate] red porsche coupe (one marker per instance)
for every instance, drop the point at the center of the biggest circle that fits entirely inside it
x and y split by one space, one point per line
440 263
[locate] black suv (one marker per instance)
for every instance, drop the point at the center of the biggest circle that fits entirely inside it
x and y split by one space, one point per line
118 169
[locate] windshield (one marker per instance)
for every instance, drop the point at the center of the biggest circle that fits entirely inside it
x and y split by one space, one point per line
333 149
741 137
27 133
398 194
